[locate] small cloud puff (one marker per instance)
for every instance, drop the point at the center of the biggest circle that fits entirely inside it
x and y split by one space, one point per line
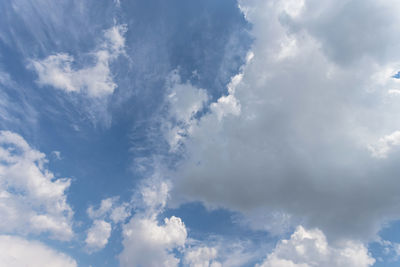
202 257
109 214
96 81
98 235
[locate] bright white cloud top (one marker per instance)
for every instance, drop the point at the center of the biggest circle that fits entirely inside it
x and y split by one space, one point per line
146 242
307 248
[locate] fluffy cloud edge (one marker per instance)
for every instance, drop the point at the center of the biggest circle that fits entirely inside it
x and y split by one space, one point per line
96 81
16 252
309 248
146 241
291 125
33 200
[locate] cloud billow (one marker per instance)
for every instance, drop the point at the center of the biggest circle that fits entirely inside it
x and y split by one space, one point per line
316 134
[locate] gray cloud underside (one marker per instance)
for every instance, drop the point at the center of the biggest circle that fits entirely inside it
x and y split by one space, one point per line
315 137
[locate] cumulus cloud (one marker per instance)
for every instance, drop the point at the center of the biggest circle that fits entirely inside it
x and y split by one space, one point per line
222 251
110 213
33 200
120 213
17 252
98 235
310 112
385 144
149 241
202 257
308 248
110 209
146 241
96 80
105 207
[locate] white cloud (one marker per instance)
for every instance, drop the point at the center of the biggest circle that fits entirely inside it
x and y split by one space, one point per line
147 242
110 208
228 104
385 144
184 101
96 81
17 252
292 7
108 214
202 257
219 251
98 235
300 142
120 213
105 207
154 195
309 248
32 199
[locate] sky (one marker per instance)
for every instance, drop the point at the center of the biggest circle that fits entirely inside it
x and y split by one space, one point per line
199 133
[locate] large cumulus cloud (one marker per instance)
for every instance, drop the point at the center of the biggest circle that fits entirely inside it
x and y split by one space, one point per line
308 127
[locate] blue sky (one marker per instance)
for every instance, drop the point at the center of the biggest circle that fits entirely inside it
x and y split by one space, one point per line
199 133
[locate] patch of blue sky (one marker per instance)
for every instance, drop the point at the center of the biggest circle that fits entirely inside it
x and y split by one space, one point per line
387 251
